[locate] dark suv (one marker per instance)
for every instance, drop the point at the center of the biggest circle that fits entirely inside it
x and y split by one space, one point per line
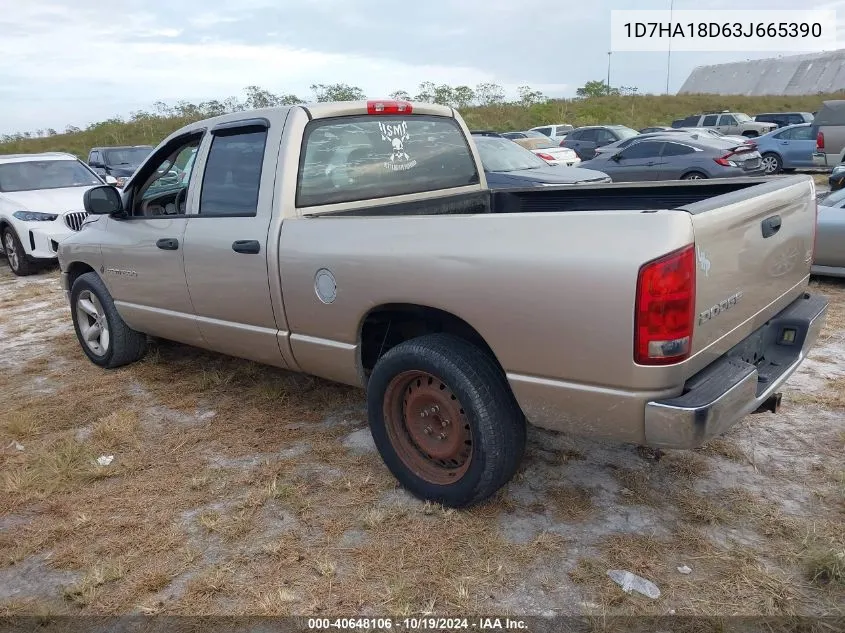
585 140
784 118
118 161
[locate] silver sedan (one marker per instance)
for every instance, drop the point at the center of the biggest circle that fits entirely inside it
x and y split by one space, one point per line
829 259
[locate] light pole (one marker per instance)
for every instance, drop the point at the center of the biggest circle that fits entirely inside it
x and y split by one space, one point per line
609 53
669 54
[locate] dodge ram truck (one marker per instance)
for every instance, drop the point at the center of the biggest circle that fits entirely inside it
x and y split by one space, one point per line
359 242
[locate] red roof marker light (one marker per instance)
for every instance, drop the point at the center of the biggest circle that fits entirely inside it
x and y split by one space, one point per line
389 107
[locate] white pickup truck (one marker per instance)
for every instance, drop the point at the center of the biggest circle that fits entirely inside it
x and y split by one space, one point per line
359 242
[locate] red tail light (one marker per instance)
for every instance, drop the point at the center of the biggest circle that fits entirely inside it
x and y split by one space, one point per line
820 141
389 107
545 156
665 308
723 161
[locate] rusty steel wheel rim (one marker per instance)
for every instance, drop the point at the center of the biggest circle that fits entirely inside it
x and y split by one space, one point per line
428 428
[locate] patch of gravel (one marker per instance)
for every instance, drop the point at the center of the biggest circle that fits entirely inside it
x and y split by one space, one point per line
34 578
360 441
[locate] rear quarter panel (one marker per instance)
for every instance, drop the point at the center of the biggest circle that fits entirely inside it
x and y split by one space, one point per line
552 294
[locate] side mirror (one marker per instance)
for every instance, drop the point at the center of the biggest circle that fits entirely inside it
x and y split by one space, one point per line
617 157
102 200
110 180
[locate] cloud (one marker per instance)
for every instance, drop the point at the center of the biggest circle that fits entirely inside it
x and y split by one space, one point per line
66 63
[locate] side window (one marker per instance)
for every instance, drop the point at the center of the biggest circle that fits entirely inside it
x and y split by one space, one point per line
365 157
591 135
727 119
710 120
545 130
232 175
166 181
606 136
786 135
676 149
645 149
690 121
804 133
574 136
95 158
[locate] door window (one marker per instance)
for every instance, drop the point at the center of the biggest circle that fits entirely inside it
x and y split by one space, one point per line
232 175
727 119
710 120
166 181
645 149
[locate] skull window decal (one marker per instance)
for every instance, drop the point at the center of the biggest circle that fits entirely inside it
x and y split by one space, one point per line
397 135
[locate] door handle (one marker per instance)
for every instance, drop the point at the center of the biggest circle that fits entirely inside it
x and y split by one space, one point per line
650 163
168 244
250 247
771 226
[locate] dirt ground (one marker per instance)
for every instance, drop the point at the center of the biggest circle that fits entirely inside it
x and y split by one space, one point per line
241 489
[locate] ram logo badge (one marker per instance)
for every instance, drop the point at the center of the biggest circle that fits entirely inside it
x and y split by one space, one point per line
722 306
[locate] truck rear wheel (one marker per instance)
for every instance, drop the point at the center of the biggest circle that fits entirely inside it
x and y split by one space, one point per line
444 420
104 336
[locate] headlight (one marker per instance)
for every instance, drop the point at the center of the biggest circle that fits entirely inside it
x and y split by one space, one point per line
838 169
34 216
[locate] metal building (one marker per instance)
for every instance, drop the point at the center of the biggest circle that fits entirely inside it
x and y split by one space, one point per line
809 74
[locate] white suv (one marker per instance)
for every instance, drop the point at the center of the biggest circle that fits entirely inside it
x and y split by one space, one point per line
40 205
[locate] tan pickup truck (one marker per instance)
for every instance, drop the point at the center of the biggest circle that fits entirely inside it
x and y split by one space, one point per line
359 242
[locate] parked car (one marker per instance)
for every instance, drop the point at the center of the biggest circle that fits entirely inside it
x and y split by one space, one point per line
829 131
585 140
709 131
40 205
836 180
118 161
727 122
547 149
787 148
829 254
507 164
555 132
359 241
782 119
672 157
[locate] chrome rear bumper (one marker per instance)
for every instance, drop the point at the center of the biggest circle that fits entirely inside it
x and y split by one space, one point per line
729 389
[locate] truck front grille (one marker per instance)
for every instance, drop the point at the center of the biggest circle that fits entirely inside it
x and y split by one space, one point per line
75 219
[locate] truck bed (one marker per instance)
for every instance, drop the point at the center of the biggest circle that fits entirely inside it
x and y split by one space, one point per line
622 196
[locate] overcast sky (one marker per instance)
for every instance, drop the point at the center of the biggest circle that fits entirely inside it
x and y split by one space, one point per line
79 61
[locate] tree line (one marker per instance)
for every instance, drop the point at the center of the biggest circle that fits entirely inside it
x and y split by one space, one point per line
460 97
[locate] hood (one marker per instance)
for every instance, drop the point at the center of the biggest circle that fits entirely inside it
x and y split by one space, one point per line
543 175
46 200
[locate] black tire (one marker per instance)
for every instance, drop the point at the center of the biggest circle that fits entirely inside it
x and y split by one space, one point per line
125 344
776 160
694 175
23 267
492 415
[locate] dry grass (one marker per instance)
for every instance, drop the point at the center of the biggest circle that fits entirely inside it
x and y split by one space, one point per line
571 503
207 510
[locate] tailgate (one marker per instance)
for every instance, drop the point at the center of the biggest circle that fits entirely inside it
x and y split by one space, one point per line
754 249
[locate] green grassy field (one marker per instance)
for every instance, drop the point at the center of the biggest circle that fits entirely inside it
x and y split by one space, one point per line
636 111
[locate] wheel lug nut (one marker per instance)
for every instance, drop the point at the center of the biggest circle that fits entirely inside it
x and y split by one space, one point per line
444 423
442 436
428 430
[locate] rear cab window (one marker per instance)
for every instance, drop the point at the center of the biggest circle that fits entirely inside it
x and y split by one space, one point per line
353 158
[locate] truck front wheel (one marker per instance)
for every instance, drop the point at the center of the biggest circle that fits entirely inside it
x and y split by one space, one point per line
104 336
444 420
